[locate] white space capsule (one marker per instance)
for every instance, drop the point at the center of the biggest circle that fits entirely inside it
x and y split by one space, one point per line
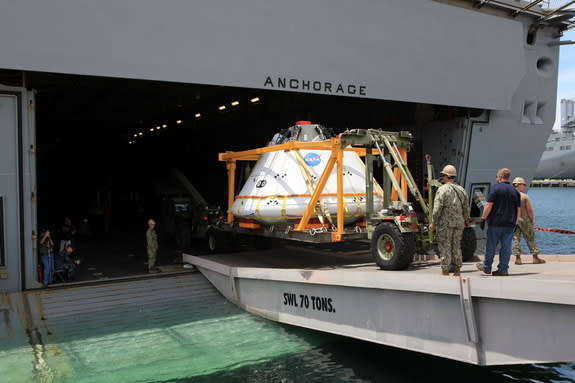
278 188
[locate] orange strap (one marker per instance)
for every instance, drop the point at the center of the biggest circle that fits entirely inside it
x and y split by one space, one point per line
301 195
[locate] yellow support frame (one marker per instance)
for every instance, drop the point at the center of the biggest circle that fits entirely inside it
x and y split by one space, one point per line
336 158
402 181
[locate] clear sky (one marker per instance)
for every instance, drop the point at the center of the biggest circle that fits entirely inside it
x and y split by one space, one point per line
566 84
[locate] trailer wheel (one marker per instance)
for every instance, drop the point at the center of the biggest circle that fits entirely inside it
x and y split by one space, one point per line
219 241
468 244
212 239
391 249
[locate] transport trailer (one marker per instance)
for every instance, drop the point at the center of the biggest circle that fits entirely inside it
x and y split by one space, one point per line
337 200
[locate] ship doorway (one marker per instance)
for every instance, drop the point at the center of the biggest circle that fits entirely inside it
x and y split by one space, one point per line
112 153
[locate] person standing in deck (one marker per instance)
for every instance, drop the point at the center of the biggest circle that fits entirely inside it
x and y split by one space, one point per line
46 248
450 214
501 212
525 225
67 235
152 244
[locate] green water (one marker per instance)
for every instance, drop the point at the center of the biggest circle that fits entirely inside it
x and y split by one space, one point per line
211 340
149 343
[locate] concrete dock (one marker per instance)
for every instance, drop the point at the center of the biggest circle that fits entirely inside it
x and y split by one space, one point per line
525 317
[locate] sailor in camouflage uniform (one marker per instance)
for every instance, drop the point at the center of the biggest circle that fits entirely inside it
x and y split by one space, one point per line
450 215
525 225
152 244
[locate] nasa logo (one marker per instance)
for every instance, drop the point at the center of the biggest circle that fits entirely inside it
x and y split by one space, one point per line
312 159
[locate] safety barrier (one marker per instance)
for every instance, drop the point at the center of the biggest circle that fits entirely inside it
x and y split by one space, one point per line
561 231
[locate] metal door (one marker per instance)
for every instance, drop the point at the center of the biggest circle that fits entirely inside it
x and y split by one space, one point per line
18 260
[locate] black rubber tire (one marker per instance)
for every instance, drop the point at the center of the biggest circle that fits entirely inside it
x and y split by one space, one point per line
219 241
468 244
391 249
213 241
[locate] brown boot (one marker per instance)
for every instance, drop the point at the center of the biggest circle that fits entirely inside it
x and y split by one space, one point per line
456 272
444 272
537 260
518 260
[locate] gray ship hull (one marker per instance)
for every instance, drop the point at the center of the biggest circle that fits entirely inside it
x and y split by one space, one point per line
474 319
558 159
557 167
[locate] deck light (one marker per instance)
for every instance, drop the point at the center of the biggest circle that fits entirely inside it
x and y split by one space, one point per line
222 107
164 126
255 99
235 103
141 133
179 122
198 115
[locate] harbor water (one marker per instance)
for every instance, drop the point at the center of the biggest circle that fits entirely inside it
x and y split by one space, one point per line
207 339
554 208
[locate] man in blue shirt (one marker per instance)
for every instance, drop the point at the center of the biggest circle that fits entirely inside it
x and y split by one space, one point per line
501 212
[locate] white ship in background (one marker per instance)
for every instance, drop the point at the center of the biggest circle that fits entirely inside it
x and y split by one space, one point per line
558 159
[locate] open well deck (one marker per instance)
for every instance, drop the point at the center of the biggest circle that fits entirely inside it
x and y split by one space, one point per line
480 319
